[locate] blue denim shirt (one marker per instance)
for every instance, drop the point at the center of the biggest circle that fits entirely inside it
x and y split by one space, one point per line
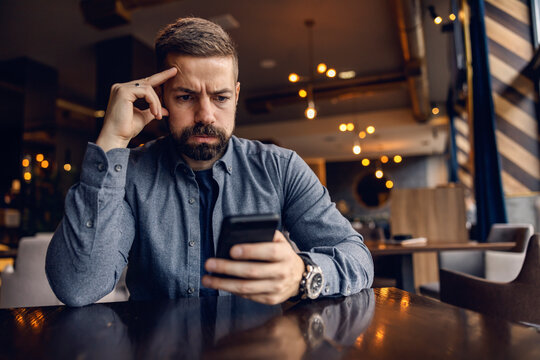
142 206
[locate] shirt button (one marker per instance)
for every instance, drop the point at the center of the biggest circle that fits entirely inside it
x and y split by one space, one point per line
101 167
192 243
191 201
190 290
117 167
327 288
89 224
229 168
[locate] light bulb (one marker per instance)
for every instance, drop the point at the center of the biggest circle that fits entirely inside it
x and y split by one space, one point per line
370 129
365 162
67 167
379 174
27 176
452 17
356 149
40 157
302 93
293 77
384 159
362 134
437 20
321 68
44 164
25 163
311 113
435 110
331 73
350 127
397 159
389 184
343 127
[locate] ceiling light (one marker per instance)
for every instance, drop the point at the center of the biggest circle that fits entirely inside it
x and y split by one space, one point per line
25 163
331 73
302 93
435 110
27 176
389 184
452 17
397 159
343 127
44 164
39 157
293 77
347 74
362 134
370 129
321 68
311 112
384 159
350 127
365 162
437 20
379 174
67 167
356 149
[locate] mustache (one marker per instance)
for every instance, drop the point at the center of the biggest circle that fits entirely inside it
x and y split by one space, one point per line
202 129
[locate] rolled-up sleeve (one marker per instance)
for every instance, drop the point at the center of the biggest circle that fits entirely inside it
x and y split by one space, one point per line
322 233
89 249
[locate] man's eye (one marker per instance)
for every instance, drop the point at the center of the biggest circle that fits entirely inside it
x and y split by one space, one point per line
183 97
220 98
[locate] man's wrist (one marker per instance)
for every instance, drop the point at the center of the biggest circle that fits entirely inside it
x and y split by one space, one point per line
107 142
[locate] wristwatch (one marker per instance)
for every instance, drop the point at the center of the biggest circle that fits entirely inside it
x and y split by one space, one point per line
312 281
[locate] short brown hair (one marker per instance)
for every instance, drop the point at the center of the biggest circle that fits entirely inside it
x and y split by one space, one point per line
194 37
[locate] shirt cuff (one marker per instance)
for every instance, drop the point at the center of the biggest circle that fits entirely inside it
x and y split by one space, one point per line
332 284
100 169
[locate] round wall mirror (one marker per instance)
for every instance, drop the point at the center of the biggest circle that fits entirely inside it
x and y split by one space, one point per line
371 191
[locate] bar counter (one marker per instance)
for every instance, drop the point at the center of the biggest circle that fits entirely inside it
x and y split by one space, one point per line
384 323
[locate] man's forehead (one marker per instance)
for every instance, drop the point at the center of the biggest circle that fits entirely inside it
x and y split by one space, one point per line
212 70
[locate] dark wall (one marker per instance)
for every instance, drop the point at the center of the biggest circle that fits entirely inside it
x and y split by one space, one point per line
341 178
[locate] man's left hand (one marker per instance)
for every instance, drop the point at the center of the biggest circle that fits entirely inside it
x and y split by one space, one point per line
269 272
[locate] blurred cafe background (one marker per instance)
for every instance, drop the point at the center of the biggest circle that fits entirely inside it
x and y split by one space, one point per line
413 120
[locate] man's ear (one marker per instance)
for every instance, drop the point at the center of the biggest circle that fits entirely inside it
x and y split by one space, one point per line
237 89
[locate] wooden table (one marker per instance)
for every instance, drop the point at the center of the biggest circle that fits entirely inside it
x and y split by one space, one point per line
384 323
400 265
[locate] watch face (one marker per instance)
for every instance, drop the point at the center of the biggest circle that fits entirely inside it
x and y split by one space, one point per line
316 284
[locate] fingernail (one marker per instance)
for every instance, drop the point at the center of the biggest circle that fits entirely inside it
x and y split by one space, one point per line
210 264
236 251
206 281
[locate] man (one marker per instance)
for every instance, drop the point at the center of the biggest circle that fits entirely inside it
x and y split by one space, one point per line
160 207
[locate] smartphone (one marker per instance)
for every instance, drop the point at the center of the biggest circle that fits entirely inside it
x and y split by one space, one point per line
242 229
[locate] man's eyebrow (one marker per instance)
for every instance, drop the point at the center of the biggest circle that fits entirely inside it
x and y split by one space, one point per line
190 91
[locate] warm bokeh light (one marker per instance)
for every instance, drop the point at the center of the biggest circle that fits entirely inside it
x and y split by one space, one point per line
26 163
362 134
141 144
321 68
437 20
435 110
293 77
99 113
356 149
452 17
347 74
311 113
379 174
366 162
302 93
331 73
350 127
370 129
67 167
397 159
27 176
44 164
342 127
384 159
389 184
40 157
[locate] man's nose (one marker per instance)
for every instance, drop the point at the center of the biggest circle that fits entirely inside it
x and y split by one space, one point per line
205 112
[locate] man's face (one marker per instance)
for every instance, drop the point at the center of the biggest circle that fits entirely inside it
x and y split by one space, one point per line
201 100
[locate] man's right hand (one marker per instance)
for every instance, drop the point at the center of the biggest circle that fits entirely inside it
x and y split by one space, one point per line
123 121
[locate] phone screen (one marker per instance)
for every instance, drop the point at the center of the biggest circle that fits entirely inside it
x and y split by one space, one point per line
245 229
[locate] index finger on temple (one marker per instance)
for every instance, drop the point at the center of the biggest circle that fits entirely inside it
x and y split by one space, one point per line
161 77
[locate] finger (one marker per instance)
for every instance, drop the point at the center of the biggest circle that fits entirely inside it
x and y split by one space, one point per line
267 251
149 95
244 269
240 286
161 77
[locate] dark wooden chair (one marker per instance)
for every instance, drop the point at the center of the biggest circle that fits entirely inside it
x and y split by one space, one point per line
518 300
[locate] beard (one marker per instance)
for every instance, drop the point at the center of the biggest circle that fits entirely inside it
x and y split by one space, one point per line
201 152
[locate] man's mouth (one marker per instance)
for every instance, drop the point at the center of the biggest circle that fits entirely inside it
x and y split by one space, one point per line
203 138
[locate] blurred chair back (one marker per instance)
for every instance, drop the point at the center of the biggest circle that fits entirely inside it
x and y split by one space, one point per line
518 300
27 285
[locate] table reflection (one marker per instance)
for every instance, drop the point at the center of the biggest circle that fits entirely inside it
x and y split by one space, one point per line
219 327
